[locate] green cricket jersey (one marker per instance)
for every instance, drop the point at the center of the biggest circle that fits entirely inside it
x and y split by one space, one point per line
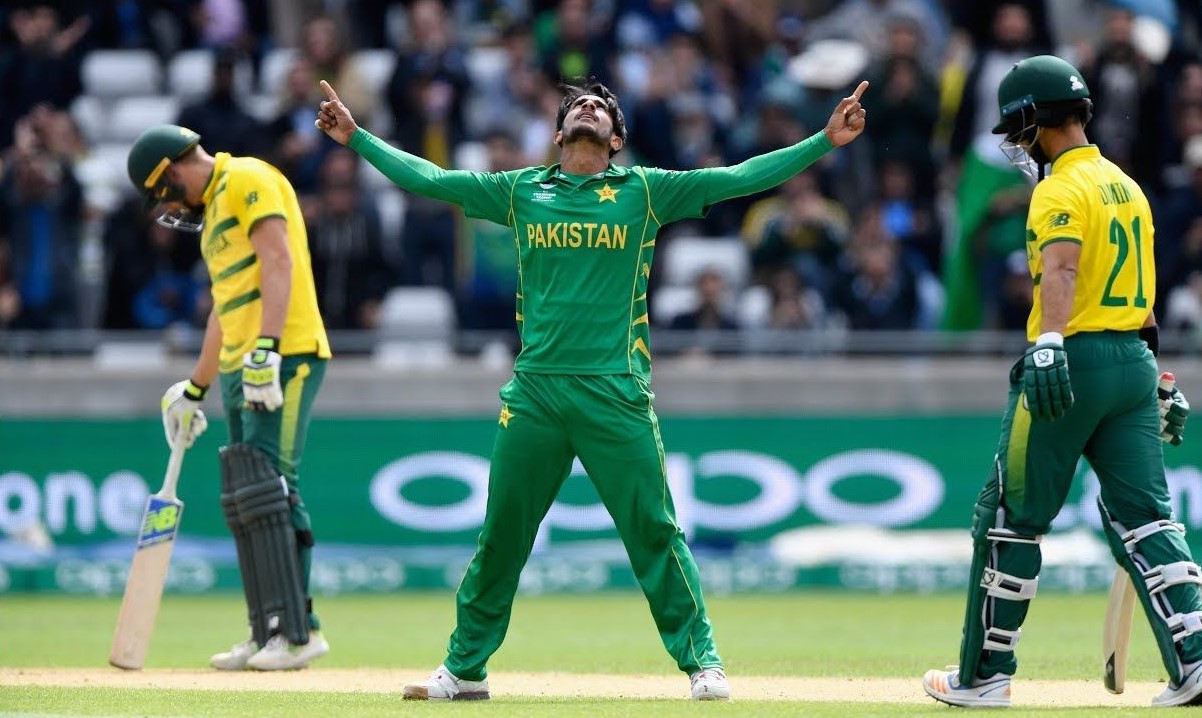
585 243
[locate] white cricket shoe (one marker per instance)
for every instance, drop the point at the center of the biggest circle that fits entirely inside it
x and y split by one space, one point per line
945 687
281 655
442 685
710 684
1189 692
236 657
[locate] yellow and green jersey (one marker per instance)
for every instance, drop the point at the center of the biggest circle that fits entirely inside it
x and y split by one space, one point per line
241 192
585 243
1088 200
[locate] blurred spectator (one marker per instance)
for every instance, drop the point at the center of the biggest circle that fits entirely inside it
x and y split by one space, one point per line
1128 119
42 67
163 26
155 277
574 42
875 290
904 112
1179 225
41 206
798 229
1012 39
219 117
324 45
978 20
738 34
350 267
909 214
299 147
429 86
488 280
870 23
1017 293
710 313
794 304
1183 310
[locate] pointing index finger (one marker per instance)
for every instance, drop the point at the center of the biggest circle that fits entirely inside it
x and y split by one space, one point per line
858 92
333 96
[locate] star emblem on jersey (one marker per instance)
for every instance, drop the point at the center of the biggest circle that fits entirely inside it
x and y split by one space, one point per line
505 416
607 194
1044 358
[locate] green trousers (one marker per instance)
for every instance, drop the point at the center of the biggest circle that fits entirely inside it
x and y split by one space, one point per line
281 435
1115 424
607 421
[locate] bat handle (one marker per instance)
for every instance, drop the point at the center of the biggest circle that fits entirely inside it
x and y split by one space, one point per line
171 477
1165 386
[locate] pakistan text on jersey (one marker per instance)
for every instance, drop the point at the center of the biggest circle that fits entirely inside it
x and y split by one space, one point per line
1114 193
574 235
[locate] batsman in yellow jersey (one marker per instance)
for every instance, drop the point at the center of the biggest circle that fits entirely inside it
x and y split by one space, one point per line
266 344
1087 386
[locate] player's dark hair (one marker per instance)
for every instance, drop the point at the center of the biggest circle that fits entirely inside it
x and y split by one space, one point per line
574 89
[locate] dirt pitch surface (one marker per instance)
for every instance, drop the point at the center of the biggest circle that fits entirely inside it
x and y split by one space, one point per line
1063 694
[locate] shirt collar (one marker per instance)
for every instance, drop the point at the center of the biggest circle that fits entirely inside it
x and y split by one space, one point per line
1076 154
553 173
219 161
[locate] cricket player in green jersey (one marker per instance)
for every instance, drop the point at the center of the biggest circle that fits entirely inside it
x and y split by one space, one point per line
585 234
1087 386
265 343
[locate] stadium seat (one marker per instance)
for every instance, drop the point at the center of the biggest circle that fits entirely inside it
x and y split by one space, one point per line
686 257
274 69
390 203
190 75
261 106
486 65
471 156
91 115
131 115
375 67
417 313
103 176
670 301
109 74
754 308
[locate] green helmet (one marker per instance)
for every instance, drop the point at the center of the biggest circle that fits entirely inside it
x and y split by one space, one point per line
1040 91
154 151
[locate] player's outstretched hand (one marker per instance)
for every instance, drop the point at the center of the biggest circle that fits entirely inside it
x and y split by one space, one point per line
333 118
848 119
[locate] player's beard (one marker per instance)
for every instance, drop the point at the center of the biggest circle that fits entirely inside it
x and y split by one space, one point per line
586 133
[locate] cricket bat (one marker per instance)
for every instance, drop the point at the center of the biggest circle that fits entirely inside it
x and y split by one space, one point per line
1116 631
148 571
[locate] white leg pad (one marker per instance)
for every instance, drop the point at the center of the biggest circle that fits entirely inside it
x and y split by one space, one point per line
999 639
1013 588
1158 578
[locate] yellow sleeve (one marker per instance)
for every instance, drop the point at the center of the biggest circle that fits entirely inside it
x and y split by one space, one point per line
255 195
1057 214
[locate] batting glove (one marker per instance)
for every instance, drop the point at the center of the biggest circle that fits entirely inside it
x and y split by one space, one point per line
183 419
261 375
1174 410
1046 385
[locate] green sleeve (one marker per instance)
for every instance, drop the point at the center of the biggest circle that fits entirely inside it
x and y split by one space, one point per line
679 195
484 195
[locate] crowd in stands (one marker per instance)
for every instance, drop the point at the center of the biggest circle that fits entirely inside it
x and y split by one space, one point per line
920 225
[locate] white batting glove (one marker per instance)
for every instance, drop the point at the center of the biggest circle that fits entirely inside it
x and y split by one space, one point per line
261 375
183 419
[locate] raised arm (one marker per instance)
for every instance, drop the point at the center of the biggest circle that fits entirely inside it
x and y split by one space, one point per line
773 168
409 172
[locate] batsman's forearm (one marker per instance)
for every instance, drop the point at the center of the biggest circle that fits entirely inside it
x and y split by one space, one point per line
205 370
410 172
765 171
1057 289
276 287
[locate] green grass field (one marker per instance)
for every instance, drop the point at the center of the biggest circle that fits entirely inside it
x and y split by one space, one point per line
803 634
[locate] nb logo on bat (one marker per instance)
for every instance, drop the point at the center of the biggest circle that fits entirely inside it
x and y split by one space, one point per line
159 523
